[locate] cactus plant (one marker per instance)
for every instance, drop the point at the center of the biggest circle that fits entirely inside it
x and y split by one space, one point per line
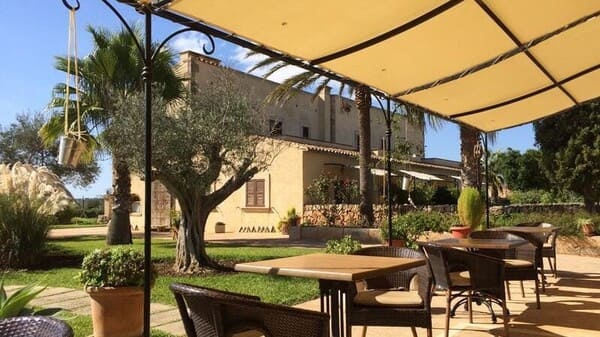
470 207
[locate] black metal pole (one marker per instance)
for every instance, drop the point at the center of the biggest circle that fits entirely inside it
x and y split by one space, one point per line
487 183
388 166
147 76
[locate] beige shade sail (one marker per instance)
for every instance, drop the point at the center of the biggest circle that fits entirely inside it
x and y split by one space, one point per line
492 64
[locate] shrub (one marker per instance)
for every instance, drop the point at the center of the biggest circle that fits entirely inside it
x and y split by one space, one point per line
113 267
444 196
566 221
66 215
23 230
421 196
345 245
410 226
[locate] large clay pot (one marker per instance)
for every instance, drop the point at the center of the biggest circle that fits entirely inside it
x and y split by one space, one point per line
588 229
117 312
460 232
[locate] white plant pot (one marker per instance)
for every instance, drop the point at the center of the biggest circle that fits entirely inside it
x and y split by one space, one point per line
70 150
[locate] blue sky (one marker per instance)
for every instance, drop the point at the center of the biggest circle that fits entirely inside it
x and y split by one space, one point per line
32 32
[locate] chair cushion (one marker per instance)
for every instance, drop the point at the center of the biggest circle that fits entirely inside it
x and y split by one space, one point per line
388 298
514 263
461 279
548 245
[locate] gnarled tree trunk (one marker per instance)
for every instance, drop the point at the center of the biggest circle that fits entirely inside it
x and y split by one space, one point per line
119 227
191 248
363 103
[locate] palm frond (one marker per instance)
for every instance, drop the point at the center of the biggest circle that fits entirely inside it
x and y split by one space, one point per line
284 92
274 69
264 63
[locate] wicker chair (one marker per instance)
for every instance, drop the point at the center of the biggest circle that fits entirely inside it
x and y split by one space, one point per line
38 326
549 247
214 313
520 264
389 300
465 274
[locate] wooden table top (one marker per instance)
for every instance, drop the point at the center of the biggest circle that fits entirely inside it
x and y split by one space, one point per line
533 230
331 266
480 243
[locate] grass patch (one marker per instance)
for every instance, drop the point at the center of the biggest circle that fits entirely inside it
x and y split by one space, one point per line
78 223
64 258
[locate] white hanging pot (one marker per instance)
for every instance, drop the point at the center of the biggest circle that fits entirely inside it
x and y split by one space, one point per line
64 150
70 150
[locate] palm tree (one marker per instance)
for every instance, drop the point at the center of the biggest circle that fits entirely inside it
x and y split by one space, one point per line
362 100
113 70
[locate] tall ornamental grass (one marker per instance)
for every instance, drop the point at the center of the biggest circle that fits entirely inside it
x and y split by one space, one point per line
23 230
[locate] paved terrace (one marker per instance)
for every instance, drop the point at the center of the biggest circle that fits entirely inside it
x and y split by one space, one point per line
570 306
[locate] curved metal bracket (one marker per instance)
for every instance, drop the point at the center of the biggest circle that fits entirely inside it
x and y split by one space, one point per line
71 7
206 51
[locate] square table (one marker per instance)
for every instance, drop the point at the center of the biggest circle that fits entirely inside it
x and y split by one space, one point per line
336 274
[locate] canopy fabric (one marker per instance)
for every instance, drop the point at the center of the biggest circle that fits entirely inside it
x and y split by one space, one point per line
421 176
491 64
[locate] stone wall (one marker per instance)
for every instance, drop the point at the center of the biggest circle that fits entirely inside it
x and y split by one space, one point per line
348 214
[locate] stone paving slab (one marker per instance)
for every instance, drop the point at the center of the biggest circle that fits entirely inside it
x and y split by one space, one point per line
175 328
165 317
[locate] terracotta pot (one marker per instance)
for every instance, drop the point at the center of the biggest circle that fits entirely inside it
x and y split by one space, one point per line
460 232
587 229
398 243
117 312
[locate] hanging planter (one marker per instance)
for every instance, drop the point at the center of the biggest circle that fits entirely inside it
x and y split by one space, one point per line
70 150
72 144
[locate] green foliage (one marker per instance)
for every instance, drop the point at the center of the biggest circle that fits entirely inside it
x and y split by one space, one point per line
444 196
66 215
23 230
542 197
20 142
411 225
421 196
470 207
345 245
567 222
113 267
15 304
327 193
521 171
570 146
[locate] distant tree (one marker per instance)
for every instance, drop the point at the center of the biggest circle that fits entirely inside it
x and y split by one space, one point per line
20 142
570 146
521 171
204 149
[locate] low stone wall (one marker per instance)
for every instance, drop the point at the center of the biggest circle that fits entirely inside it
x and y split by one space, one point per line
348 214
323 234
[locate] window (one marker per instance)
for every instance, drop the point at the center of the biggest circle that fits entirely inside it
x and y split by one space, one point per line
255 193
275 127
305 132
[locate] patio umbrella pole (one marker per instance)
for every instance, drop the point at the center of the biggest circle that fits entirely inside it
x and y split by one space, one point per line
487 181
388 166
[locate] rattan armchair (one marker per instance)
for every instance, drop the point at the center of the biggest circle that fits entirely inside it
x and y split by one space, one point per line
549 247
464 274
521 264
36 326
214 313
390 300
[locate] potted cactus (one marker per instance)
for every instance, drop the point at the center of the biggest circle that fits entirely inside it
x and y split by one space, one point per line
470 211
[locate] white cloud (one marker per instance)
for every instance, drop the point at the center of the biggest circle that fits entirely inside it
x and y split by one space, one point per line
241 61
193 41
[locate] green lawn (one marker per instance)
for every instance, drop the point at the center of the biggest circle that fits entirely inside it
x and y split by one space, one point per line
78 223
65 255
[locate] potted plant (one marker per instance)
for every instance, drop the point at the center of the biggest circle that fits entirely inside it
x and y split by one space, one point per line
406 229
114 280
587 226
470 208
292 217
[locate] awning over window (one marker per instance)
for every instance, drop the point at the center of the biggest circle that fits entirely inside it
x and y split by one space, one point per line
421 176
488 63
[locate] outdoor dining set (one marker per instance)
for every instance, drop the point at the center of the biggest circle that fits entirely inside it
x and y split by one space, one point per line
381 286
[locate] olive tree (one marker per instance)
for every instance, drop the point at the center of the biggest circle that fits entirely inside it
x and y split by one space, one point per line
204 148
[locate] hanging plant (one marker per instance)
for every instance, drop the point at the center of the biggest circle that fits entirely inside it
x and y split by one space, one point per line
72 143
